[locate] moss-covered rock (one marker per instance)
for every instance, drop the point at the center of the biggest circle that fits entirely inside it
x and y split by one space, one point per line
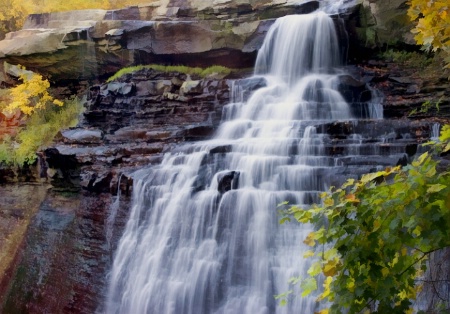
384 22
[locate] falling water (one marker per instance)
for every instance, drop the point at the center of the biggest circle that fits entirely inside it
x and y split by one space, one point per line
435 131
113 209
203 233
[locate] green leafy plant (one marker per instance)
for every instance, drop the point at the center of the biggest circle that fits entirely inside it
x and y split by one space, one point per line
373 236
415 59
426 107
200 72
39 130
40 117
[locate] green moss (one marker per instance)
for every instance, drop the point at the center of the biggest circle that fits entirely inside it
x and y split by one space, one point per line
417 59
201 72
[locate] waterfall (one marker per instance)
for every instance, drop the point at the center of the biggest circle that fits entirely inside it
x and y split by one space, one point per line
203 233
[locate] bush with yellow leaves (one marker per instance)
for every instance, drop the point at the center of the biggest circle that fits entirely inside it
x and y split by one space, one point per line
433 25
41 117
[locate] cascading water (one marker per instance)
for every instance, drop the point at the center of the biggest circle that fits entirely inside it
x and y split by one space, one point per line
203 233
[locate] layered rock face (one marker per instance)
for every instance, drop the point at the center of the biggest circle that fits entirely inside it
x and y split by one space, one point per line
88 44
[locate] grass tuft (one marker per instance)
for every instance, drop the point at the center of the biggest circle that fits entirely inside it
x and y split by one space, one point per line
195 71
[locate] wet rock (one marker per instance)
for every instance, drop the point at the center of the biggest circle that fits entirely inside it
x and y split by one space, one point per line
228 181
402 80
66 254
198 132
243 88
221 149
63 170
97 182
128 134
82 136
122 182
117 88
176 97
153 88
354 91
191 88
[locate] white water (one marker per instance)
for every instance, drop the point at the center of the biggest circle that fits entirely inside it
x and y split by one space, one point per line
187 248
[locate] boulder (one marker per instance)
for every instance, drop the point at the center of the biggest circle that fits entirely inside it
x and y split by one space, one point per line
383 22
228 181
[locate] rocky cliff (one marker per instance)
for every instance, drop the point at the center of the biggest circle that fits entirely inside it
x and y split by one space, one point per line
91 43
59 264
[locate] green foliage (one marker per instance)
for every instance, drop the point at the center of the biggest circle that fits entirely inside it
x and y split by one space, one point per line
372 236
405 57
426 107
40 115
200 72
39 131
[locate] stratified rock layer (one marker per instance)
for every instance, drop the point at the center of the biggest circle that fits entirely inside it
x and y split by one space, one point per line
91 43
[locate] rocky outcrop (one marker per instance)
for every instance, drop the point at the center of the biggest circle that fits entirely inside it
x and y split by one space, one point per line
93 43
384 22
410 91
132 122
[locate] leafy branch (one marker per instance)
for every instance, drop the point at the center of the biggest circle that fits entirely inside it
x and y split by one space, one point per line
378 232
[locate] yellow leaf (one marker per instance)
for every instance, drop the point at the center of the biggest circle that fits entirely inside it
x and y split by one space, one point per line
325 311
370 176
352 198
315 269
394 260
331 254
308 254
351 284
422 158
309 241
328 202
326 289
330 267
329 270
385 271
376 224
323 194
409 311
404 251
348 183
434 188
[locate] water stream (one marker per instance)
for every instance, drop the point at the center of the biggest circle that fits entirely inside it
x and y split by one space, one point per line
203 233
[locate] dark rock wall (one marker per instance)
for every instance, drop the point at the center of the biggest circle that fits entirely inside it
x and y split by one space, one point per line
65 256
